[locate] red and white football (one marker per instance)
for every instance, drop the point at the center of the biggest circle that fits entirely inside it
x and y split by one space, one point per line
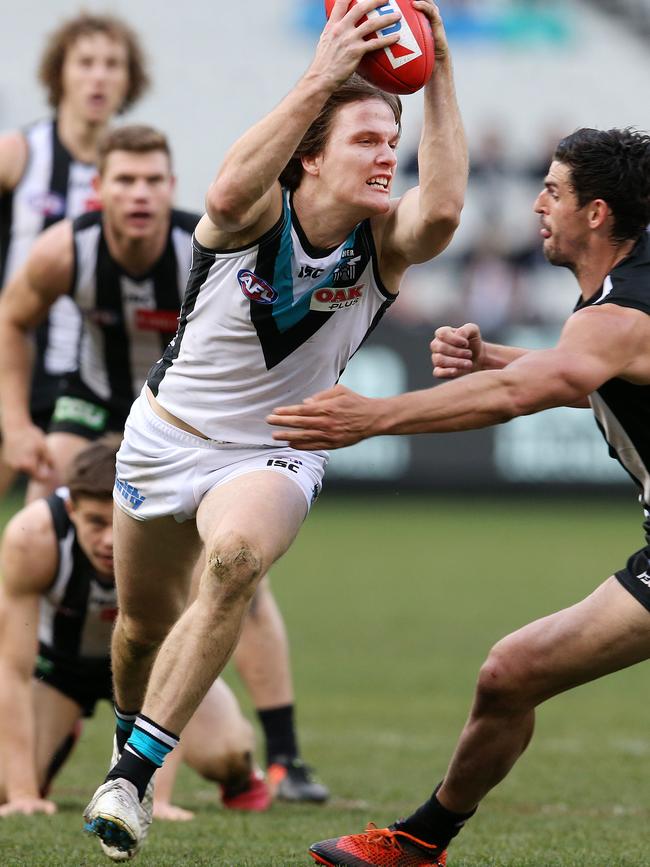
406 65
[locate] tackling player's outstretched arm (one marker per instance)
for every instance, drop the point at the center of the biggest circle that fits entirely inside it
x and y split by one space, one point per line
28 559
245 194
24 303
596 344
424 220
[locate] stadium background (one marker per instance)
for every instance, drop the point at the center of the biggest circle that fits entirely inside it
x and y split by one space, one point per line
392 602
527 72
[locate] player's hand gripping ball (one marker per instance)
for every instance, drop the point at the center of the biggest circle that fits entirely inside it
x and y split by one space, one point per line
406 65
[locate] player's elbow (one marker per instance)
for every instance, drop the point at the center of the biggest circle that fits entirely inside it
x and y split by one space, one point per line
224 206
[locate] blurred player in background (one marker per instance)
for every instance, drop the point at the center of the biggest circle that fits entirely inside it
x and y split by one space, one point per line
126 267
301 204
593 213
92 67
57 608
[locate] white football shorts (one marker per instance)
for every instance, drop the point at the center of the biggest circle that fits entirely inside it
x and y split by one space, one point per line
162 470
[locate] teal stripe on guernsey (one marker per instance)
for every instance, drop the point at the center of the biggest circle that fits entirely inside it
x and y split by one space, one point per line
286 313
149 747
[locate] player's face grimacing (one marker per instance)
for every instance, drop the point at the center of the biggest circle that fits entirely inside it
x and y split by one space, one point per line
563 224
93 521
359 160
95 77
136 191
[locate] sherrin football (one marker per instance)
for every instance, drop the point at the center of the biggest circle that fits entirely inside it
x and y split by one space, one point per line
406 65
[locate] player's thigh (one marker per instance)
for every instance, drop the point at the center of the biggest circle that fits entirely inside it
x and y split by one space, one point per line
55 716
217 729
63 448
153 566
261 509
607 631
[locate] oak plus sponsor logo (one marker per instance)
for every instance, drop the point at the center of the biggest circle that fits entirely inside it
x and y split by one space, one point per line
256 289
327 299
407 49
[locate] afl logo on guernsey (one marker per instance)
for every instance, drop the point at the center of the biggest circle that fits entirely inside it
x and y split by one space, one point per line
48 204
256 289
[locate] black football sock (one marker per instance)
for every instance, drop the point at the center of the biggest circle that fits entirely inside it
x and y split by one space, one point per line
134 768
433 823
124 722
279 733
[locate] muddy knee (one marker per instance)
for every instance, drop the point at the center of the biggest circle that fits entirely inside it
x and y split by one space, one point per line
233 569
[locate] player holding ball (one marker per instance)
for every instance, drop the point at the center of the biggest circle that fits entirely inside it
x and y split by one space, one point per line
300 253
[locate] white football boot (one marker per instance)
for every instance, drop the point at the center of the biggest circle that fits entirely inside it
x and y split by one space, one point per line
111 849
117 817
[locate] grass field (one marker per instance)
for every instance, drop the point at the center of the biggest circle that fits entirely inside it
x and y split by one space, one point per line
391 605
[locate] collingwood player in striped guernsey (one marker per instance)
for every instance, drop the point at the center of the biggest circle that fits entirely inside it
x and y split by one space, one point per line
594 212
300 253
126 268
57 608
92 67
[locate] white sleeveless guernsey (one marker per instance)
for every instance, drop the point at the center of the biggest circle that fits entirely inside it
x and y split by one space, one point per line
266 325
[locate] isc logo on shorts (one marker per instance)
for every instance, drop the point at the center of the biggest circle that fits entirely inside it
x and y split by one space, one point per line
285 464
407 49
328 299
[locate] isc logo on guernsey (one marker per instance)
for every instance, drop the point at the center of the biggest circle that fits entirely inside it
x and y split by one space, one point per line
328 300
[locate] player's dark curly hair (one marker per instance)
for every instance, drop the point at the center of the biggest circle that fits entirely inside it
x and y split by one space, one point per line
613 165
355 89
92 472
50 71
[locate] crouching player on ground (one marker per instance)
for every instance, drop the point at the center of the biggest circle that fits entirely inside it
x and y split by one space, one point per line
57 608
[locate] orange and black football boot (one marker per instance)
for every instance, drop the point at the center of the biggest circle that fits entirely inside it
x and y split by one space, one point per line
378 847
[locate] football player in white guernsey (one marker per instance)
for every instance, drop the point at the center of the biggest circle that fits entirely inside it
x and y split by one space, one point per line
92 67
301 251
594 212
57 607
126 267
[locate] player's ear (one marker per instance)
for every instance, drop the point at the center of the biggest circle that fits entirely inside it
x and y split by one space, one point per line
70 508
96 182
598 212
311 164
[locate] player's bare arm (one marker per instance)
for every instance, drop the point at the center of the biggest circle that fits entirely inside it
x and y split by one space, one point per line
423 221
244 199
25 301
28 560
597 344
13 159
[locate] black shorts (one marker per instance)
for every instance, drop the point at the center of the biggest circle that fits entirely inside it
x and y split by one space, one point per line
84 681
78 410
635 577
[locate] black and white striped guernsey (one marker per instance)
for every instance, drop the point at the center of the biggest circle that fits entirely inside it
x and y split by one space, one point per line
622 409
53 186
127 320
78 609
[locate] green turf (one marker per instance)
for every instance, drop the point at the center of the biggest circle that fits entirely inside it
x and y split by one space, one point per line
391 606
